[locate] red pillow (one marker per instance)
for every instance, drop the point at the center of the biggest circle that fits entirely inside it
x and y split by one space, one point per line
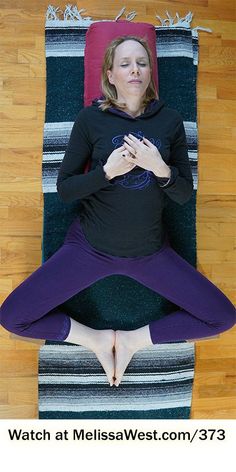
98 36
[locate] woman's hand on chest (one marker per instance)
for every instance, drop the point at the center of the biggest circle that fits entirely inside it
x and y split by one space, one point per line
145 155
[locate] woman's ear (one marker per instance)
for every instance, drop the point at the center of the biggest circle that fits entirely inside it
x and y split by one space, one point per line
109 75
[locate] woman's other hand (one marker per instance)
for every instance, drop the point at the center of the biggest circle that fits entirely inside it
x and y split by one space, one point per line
117 164
145 154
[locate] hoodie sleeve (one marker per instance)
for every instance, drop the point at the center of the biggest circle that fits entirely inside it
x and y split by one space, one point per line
72 183
179 186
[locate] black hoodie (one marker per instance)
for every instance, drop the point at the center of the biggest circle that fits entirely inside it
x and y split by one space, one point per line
123 216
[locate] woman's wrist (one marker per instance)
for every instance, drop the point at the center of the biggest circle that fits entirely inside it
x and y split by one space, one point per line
107 172
164 172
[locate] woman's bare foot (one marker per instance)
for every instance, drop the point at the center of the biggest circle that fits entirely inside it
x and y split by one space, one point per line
126 344
103 346
101 342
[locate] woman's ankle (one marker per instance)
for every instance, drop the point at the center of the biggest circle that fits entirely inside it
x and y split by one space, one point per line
94 339
143 337
135 339
79 333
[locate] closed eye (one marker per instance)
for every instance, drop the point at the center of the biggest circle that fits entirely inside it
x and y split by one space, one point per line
141 64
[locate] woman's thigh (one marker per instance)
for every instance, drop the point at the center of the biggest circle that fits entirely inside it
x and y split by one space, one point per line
169 274
72 268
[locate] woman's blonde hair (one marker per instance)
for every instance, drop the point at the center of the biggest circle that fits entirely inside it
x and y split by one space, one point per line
109 90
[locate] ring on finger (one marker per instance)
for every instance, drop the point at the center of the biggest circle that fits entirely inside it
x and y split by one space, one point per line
134 151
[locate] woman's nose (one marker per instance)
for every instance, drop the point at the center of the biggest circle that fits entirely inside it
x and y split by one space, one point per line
135 68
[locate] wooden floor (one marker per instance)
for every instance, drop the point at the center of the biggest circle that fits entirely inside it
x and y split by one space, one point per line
22 97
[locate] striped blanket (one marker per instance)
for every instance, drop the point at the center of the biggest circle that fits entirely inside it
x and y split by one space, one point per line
158 381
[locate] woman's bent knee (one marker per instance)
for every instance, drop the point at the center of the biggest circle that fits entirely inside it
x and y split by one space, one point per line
231 318
10 318
228 319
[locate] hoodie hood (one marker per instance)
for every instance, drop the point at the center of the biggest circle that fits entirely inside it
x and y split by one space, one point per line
151 109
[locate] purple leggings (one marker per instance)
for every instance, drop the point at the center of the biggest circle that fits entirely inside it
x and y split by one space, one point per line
32 310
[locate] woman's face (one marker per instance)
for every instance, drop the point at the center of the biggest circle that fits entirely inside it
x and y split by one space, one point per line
130 62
